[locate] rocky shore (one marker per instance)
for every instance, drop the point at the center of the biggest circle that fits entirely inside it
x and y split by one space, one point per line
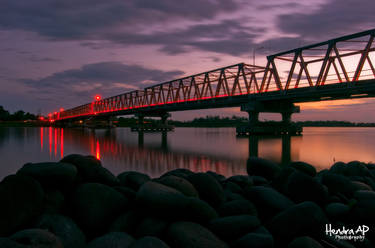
78 203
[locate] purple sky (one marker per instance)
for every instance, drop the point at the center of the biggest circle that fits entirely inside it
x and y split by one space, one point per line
60 53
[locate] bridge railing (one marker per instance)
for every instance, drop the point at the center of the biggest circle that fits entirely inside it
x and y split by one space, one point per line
346 59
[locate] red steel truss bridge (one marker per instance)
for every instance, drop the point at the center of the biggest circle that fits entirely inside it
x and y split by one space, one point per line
341 68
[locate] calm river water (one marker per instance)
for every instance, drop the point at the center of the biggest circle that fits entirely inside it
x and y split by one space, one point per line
199 149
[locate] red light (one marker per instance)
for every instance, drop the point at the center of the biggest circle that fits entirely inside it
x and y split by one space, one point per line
98 97
61 110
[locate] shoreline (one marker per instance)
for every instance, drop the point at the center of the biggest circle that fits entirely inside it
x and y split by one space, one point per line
78 203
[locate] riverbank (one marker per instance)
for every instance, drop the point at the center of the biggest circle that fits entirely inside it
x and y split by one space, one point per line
77 202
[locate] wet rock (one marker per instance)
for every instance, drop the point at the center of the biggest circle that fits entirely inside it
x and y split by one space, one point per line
126 192
305 242
21 201
149 242
112 240
241 180
37 238
233 227
64 228
55 175
254 240
179 183
261 167
90 170
95 206
198 211
360 186
237 207
302 187
208 188
281 180
8 243
356 168
268 201
133 179
338 168
230 196
126 222
180 172
220 178
363 212
364 195
338 184
306 168
337 211
302 219
151 227
53 201
189 234
232 187
259 181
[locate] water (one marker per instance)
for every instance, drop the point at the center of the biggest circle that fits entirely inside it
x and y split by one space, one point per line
199 149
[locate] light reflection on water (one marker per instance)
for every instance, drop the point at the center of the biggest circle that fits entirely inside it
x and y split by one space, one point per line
199 149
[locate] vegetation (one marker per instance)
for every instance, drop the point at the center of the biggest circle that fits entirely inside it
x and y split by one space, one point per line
16 116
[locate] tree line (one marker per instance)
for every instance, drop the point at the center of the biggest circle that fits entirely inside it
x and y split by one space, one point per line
19 115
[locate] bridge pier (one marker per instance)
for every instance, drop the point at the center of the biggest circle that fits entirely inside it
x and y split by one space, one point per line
152 127
285 108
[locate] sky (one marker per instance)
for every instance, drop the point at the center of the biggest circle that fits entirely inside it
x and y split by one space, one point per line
60 53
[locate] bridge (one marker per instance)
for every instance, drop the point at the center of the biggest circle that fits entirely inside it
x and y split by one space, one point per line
340 68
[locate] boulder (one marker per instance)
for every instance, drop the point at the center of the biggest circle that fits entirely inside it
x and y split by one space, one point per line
237 207
112 240
208 188
338 168
37 238
8 243
305 242
338 184
220 178
51 175
126 222
360 186
64 228
303 167
133 179
241 180
337 211
259 181
151 227
21 201
90 170
179 183
180 172
198 211
189 234
149 242
95 206
262 167
232 187
53 201
356 168
254 240
364 195
363 212
128 193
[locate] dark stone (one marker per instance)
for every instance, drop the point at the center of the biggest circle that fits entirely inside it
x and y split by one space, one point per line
151 227
133 179
64 228
21 201
338 184
237 207
8 243
149 242
208 188
198 211
305 242
95 206
241 180
302 219
302 187
363 212
356 168
53 201
220 178
254 240
189 234
338 168
337 211
281 180
179 183
232 187
259 181
128 193
262 167
37 238
306 168
233 227
233 196
126 222
364 195
360 186
112 240
90 170
268 201
181 172
55 175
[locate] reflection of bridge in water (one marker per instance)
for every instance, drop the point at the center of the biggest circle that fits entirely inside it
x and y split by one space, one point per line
131 153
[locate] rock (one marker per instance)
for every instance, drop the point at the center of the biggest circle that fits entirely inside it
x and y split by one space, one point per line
112 240
338 168
55 175
268 201
232 187
302 219
133 179
95 206
305 242
237 207
261 167
356 168
302 187
90 170
37 238
254 240
189 234
360 186
126 222
241 180
337 211
149 242
338 184
233 196
128 193
220 178
306 168
179 183
21 201
156 199
53 201
180 172
233 227
151 227
259 181
208 188
198 211
364 195
363 212
64 228
280 182
8 243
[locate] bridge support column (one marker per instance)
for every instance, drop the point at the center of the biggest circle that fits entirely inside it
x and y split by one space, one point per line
162 126
255 127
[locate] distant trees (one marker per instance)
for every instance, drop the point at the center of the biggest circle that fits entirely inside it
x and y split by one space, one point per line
16 116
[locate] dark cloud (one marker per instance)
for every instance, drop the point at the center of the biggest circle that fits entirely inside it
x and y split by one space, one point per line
76 86
335 18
